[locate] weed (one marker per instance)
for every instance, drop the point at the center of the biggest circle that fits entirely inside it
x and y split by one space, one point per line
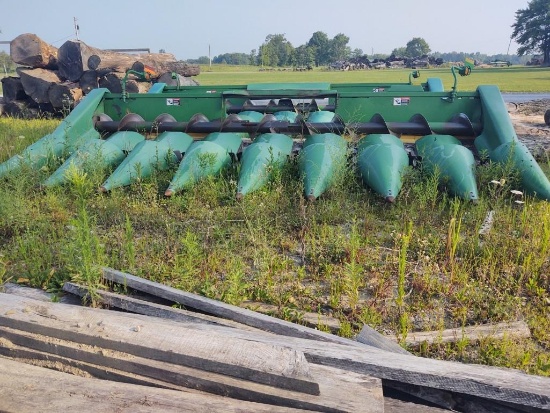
417 264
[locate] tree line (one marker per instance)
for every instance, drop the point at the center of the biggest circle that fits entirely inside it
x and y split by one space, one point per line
530 31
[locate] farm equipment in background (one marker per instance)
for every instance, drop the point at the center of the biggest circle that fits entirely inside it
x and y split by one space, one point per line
204 128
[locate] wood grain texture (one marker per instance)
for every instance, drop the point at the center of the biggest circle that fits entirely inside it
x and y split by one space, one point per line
491 383
518 329
139 306
162 341
220 309
340 391
371 337
28 49
30 389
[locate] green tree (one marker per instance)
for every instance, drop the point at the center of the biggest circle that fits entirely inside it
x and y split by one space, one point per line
417 47
399 52
276 51
532 29
253 58
304 56
202 60
356 53
232 59
6 64
338 47
320 43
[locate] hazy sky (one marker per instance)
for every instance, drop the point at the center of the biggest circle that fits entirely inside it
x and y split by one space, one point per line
187 28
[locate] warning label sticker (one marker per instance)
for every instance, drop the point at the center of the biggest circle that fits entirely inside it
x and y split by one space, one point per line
401 101
172 101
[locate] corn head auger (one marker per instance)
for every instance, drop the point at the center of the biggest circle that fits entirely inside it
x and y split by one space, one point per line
204 128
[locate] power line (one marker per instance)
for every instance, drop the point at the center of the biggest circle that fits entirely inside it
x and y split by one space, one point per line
60 40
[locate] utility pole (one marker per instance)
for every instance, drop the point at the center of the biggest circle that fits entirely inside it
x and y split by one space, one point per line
76 28
209 58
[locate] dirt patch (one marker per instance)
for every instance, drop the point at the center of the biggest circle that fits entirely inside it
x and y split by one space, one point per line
528 120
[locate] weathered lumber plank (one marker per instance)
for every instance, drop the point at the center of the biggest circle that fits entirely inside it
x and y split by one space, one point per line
506 386
518 329
139 306
340 391
28 49
29 389
162 341
220 309
37 294
78 368
453 401
310 319
371 337
398 402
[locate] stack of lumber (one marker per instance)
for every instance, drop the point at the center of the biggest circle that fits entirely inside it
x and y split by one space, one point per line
212 356
53 80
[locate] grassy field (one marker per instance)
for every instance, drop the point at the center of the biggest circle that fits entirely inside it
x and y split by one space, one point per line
509 79
417 265
512 79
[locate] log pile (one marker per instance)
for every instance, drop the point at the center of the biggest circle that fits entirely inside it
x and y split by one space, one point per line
51 81
212 356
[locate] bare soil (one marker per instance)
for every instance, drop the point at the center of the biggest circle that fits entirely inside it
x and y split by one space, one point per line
528 120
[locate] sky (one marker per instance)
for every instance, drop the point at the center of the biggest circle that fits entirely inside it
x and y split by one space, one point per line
190 29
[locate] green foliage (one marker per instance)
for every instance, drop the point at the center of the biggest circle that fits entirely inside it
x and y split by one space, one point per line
417 47
319 43
231 59
276 51
531 29
6 64
419 264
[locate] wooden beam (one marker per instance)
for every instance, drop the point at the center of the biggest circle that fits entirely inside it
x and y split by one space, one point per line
161 340
505 386
371 337
314 320
493 384
220 309
29 389
340 391
518 329
138 306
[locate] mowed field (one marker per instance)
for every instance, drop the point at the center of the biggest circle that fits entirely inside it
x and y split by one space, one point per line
509 79
512 79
